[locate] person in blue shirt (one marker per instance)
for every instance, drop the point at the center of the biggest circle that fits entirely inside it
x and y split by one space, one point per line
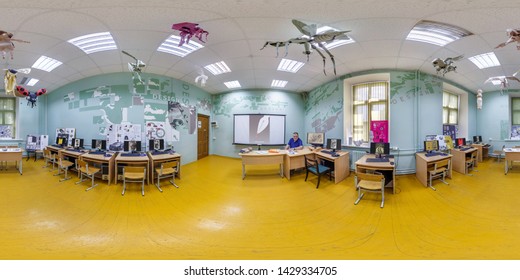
295 142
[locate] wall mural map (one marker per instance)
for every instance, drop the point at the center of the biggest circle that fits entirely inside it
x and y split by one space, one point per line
224 104
165 112
326 116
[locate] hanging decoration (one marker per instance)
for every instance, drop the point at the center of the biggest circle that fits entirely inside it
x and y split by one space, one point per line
6 43
31 97
479 99
188 30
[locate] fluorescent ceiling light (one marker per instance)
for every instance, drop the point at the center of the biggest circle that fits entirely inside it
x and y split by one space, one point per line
232 84
288 65
32 82
95 42
485 60
436 33
278 83
171 46
46 63
218 68
498 82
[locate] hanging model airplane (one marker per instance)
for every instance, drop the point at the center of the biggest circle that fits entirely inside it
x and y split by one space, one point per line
136 68
503 81
514 36
10 79
189 30
311 40
446 65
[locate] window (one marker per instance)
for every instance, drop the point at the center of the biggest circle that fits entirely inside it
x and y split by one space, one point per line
515 111
369 103
8 116
450 108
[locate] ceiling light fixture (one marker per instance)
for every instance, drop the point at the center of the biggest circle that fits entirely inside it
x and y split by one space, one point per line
32 82
232 84
46 63
218 68
171 46
485 60
95 42
436 33
278 83
288 65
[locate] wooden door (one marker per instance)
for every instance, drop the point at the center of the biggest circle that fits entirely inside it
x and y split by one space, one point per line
203 136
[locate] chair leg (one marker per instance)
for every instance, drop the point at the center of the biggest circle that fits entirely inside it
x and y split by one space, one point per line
158 183
383 198
124 187
142 188
306 175
360 196
66 177
431 185
173 181
319 177
92 185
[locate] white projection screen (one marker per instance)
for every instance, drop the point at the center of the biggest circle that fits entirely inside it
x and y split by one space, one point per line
259 129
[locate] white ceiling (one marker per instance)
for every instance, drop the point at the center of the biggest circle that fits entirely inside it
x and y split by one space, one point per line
239 28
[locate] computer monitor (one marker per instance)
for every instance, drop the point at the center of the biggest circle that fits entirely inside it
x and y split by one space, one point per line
459 142
62 140
77 143
477 139
316 139
334 144
99 144
156 145
431 145
379 148
132 146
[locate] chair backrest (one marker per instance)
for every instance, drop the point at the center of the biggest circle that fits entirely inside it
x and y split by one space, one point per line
442 163
170 164
310 163
377 177
134 170
82 165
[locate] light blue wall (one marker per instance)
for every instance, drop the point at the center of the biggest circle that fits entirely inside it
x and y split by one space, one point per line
253 102
29 120
91 104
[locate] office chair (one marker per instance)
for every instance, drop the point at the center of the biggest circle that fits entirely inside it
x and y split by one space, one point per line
167 170
368 182
64 165
87 171
134 174
440 169
313 166
470 163
499 153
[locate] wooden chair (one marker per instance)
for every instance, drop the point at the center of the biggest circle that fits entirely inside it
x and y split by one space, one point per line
470 163
313 166
366 182
64 165
440 170
134 174
167 170
49 157
87 171
499 153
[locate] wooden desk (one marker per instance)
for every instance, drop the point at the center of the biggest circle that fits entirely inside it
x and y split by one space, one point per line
341 164
482 150
512 154
102 161
294 161
459 159
72 156
424 163
132 160
156 160
262 158
54 149
11 154
362 166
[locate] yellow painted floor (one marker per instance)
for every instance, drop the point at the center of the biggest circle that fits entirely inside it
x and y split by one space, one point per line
217 215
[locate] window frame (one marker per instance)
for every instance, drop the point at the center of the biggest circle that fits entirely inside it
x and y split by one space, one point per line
367 107
4 112
448 110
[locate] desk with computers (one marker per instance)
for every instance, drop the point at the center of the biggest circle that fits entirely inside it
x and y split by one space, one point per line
380 161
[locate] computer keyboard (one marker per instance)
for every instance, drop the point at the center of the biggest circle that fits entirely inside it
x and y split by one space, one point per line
378 160
330 152
97 152
431 154
133 154
465 149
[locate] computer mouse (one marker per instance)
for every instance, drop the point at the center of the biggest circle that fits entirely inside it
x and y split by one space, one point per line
392 163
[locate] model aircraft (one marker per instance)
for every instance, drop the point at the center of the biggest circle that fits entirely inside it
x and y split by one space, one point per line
201 78
514 36
189 30
446 65
503 80
136 68
10 79
6 43
311 40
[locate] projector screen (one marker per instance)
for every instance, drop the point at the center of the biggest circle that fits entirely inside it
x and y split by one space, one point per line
259 129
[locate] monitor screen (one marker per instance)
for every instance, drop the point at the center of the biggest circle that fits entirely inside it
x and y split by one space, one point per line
379 148
77 143
132 146
156 145
431 145
459 142
477 139
334 144
316 138
62 140
99 144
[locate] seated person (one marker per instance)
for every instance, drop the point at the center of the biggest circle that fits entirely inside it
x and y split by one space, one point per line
295 142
